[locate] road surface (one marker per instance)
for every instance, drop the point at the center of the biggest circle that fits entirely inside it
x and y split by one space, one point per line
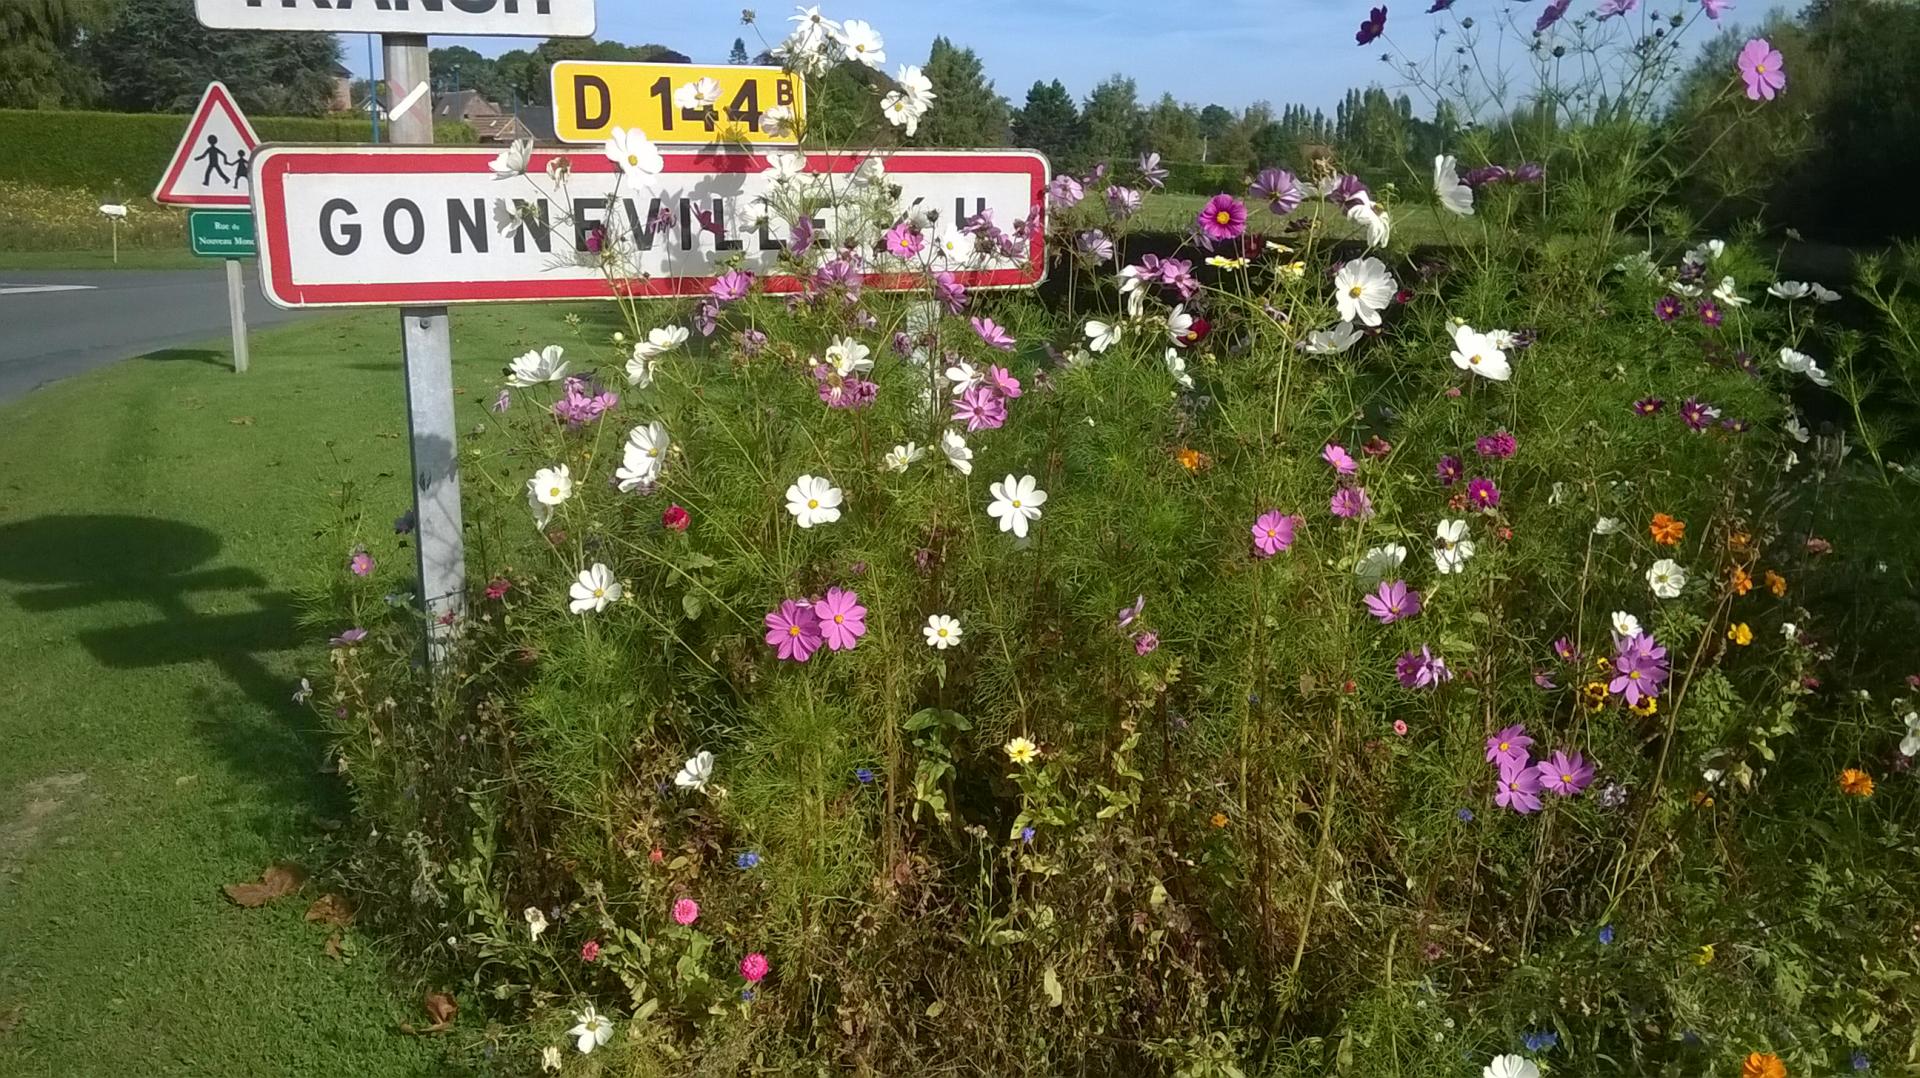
56 324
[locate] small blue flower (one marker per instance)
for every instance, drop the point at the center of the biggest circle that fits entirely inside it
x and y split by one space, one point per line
864 774
1541 1040
1606 935
1860 1060
1466 815
1026 835
746 860
746 995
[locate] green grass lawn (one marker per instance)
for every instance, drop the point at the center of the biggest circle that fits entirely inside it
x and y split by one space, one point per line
143 258
154 516
1168 212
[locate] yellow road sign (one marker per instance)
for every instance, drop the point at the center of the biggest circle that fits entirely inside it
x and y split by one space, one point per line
592 97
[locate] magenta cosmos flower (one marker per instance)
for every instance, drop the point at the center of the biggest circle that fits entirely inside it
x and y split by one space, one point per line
1519 789
1564 775
793 631
754 967
1374 25
1341 460
980 408
1273 533
1499 445
686 911
1640 668
1449 470
1351 503
843 621
732 285
1223 218
1279 188
991 333
1482 494
361 563
1421 669
1763 69
1509 746
1392 602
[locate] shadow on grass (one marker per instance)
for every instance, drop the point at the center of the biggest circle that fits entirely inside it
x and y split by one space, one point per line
189 355
70 563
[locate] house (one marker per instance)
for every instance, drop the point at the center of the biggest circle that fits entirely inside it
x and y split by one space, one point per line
342 100
490 123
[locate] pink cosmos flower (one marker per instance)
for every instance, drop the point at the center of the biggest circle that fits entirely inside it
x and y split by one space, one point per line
1565 775
950 293
1509 746
361 563
1400 727
1004 381
980 408
1763 69
686 911
1518 789
348 638
1341 460
732 285
754 967
793 631
1273 533
1351 503
1065 192
497 588
1392 602
903 241
1224 218
1713 8
1129 614
993 334
1146 643
843 621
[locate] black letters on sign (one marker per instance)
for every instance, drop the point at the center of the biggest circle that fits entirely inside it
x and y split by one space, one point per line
340 239
419 227
598 117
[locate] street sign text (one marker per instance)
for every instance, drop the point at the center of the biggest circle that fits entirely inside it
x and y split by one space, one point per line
591 98
221 233
504 18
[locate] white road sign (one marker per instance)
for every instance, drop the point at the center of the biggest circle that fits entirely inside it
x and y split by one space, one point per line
213 164
343 226
501 18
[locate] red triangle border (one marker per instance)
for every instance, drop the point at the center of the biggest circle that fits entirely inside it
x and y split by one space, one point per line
216 96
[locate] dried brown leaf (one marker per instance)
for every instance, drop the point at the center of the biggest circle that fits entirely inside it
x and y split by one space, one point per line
331 910
332 948
280 879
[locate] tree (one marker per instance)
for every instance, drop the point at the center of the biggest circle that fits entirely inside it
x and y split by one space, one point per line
739 53
1050 122
156 57
966 111
41 64
1214 121
1112 117
458 67
1173 130
527 73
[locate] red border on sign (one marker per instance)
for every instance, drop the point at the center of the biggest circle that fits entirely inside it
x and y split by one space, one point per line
270 177
215 95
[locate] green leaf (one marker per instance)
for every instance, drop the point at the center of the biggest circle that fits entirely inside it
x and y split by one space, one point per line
1051 982
693 605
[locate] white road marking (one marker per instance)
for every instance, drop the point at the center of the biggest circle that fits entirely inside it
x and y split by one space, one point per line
30 289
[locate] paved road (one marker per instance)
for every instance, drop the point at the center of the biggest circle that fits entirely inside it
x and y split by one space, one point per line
56 324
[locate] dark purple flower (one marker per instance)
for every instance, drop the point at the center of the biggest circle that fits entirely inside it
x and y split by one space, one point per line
1500 445
1710 313
1646 406
1486 175
1668 308
1279 188
1449 470
1551 15
1482 494
405 523
1439 6
1349 188
1374 25
1530 172
1698 414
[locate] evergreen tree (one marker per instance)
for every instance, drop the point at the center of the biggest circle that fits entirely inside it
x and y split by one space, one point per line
1112 117
41 61
966 110
739 53
1173 130
156 57
1050 122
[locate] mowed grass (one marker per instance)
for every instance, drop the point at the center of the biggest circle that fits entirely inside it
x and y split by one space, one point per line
154 517
1168 212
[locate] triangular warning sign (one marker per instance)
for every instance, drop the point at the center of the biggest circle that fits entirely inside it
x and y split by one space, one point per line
214 164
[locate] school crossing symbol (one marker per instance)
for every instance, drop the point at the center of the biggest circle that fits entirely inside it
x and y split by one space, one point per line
213 165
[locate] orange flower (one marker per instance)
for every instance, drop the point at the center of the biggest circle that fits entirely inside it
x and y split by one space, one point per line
1742 581
1219 819
1776 584
1763 1065
1737 542
1856 783
1192 459
1666 530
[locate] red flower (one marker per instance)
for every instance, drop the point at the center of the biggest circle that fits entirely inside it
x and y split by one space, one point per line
675 518
497 588
589 950
1197 332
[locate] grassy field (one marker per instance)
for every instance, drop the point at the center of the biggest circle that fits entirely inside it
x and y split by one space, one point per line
153 518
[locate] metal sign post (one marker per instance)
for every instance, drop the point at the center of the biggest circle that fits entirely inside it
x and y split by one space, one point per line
237 314
428 352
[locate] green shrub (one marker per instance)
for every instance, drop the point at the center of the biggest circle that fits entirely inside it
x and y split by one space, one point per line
1195 178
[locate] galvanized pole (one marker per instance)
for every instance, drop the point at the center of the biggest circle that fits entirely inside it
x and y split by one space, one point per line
429 362
237 314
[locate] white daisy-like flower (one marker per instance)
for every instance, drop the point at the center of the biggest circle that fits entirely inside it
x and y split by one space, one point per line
1179 324
1103 335
813 501
785 165
1177 366
1822 294
1797 430
863 43
550 1060
513 160
1729 293
1016 503
593 1031
964 377
1625 624
551 486
1802 363
1910 742
1362 289
634 153
778 121
1331 341
643 456
544 365
698 96
594 589
941 631
955 448
1666 578
1454 196
696 772
902 457
1510 1066
1789 290
849 357
904 107
1608 526
1366 212
1379 563
1474 351
536 921
1451 547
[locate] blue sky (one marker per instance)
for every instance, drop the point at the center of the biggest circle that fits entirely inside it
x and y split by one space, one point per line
1232 52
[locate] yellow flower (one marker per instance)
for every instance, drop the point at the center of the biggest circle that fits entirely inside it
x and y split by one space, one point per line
1704 955
1294 271
1740 634
1222 262
1594 693
1647 706
1219 819
1022 751
1192 459
1856 783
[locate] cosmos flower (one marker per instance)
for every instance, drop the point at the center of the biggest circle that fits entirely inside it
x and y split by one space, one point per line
1273 533
1223 218
1393 602
1564 775
1372 26
1762 68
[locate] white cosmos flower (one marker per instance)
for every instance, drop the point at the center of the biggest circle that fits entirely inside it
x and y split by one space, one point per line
1474 351
1608 526
550 1059
813 501
659 342
863 43
1910 743
1666 578
1179 323
534 368
870 170
1802 363
1729 293
849 357
634 153
954 248
903 457
941 631
1331 341
1369 213
593 1031
536 921
1705 253
1797 430
785 165
1682 288
696 772
513 160
1379 563
698 95
1016 503
1502 339
542 513
551 486
958 455
1103 335
964 377
1362 289
1177 366
812 29
1822 293
1789 290
1451 547
1789 630
778 121
1510 1066
304 693
1455 196
902 109
594 589
644 455
1625 624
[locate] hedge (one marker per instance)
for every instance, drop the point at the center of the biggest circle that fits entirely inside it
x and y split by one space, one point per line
121 155
1194 178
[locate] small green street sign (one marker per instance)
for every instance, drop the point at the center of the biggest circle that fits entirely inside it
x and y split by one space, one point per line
221 233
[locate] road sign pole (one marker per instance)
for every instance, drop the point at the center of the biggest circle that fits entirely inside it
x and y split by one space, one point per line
428 351
237 314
